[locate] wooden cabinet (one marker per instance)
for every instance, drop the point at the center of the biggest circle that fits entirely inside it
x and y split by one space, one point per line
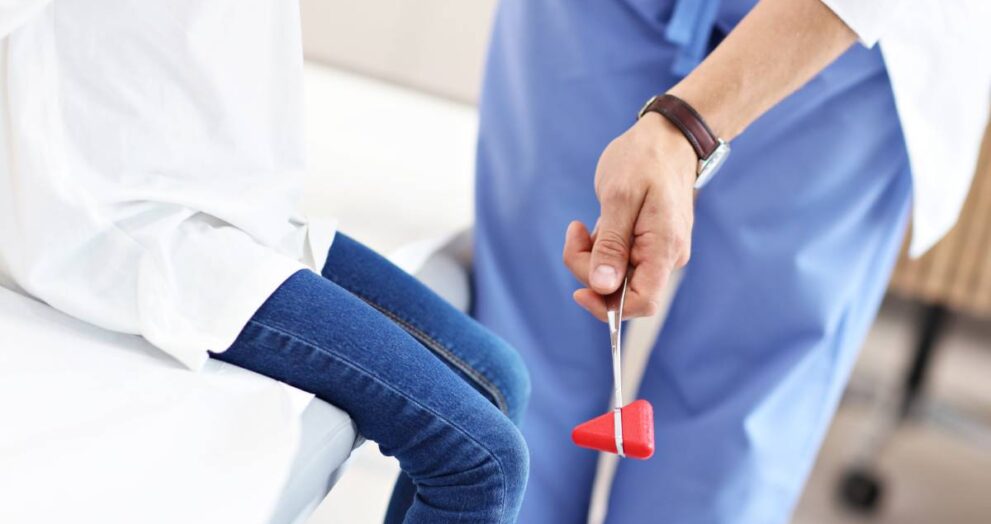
957 272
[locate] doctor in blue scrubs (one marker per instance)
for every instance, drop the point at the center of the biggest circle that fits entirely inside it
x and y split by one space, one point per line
791 242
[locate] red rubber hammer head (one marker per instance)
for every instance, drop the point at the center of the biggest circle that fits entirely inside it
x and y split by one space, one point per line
638 431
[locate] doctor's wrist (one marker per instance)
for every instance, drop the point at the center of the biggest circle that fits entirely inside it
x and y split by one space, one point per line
668 145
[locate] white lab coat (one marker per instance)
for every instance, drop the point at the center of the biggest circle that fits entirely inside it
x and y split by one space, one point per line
151 152
938 55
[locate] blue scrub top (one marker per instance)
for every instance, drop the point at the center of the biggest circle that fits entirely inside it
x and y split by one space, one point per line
792 247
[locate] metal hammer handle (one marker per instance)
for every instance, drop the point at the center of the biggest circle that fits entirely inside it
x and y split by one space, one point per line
614 314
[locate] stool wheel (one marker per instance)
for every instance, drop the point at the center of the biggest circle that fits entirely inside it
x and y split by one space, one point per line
861 490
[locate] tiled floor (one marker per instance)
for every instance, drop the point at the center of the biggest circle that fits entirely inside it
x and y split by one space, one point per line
414 181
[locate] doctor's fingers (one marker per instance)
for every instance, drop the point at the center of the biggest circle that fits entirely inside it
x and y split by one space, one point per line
662 245
646 287
638 303
592 302
613 239
577 252
648 279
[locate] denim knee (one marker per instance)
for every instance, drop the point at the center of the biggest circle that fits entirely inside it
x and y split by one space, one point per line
514 462
478 474
511 377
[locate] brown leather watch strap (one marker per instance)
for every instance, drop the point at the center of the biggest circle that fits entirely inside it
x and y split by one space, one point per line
686 119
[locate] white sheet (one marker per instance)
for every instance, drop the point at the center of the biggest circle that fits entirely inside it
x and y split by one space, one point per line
101 427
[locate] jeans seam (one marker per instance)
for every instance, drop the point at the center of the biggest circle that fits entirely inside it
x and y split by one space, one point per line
433 344
369 374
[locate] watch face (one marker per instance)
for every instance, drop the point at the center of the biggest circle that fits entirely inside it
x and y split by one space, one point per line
709 166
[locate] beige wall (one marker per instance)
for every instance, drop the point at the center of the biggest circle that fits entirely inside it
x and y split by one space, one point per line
434 45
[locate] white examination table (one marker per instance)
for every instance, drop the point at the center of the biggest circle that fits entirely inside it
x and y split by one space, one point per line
101 427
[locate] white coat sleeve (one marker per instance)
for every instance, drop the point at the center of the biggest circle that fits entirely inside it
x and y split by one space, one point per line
14 13
867 18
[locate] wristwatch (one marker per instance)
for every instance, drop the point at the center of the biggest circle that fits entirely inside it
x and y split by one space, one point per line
711 150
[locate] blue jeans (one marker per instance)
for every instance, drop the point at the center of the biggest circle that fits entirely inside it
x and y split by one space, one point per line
428 384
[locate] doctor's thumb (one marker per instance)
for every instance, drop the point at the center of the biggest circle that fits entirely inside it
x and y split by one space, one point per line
610 257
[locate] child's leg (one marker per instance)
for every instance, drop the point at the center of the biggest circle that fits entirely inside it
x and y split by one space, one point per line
483 360
467 459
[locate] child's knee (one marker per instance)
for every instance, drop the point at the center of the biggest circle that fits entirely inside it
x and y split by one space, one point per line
518 382
484 460
511 378
513 456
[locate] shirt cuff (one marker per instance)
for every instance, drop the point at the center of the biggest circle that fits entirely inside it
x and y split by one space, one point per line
867 18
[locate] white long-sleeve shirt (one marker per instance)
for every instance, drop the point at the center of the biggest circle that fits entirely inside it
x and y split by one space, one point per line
151 152
151 157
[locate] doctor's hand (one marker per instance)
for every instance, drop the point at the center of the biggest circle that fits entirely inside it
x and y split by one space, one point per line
644 183
644 179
